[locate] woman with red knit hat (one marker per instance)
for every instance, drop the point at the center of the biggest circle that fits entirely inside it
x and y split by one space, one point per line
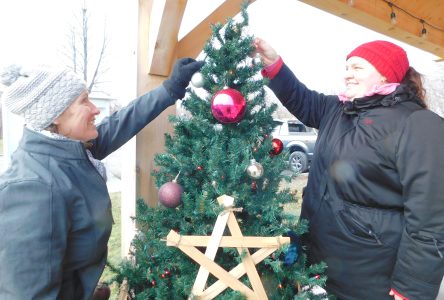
375 192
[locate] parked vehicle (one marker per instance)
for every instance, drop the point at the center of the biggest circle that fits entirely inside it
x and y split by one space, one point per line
299 140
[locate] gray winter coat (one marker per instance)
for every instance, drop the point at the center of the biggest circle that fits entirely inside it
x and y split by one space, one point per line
55 211
375 192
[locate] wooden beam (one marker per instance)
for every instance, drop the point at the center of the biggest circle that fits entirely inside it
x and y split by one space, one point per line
150 140
131 173
166 42
192 44
375 15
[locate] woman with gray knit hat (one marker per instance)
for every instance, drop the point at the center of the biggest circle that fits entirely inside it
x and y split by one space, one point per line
55 211
375 194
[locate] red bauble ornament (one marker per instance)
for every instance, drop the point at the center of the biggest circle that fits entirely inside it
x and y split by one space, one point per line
277 146
102 292
228 106
170 194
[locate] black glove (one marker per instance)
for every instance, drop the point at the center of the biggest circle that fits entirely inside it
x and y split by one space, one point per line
183 70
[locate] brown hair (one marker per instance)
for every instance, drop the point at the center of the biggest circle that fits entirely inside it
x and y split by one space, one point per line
413 80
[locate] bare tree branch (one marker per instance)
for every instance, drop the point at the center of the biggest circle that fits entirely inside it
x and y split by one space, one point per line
85 44
83 59
99 63
74 51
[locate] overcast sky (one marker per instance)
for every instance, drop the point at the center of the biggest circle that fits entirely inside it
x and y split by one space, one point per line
313 43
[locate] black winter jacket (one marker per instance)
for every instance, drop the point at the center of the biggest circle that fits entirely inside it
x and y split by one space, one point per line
375 191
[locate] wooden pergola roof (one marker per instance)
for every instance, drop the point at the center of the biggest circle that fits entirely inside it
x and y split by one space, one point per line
163 48
411 17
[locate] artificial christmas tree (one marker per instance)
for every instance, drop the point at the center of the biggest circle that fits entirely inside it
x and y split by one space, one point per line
222 146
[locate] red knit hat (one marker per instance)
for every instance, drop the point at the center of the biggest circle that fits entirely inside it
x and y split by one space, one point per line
389 59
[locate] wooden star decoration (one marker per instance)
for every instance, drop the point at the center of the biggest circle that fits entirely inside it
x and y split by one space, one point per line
227 279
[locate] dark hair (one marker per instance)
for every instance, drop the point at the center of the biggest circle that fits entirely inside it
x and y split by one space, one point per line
413 80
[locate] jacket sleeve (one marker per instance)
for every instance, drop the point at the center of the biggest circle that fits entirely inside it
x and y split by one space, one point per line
33 241
307 105
419 267
120 127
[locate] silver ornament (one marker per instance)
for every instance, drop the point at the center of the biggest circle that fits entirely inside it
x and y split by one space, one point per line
255 169
218 127
197 80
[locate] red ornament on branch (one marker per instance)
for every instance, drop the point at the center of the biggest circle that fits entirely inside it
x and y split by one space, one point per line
228 106
102 292
170 193
277 147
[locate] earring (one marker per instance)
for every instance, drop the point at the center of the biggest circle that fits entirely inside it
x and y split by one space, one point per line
383 80
52 128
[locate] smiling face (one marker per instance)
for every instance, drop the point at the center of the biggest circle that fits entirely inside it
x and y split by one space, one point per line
77 121
360 77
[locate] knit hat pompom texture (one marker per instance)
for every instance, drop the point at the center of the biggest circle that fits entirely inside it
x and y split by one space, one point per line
389 59
40 95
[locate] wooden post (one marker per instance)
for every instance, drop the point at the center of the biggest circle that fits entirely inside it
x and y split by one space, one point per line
156 55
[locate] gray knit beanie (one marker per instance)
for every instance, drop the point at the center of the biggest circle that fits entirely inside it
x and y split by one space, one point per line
40 95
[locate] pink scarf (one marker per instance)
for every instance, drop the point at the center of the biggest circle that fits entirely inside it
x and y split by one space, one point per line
384 89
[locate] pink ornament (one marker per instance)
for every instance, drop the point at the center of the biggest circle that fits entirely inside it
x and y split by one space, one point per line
170 194
228 106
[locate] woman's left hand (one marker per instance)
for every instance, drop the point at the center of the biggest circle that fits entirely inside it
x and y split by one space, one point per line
183 70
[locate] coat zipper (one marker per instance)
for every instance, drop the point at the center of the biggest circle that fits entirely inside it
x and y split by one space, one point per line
435 242
375 237
437 248
103 179
369 231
